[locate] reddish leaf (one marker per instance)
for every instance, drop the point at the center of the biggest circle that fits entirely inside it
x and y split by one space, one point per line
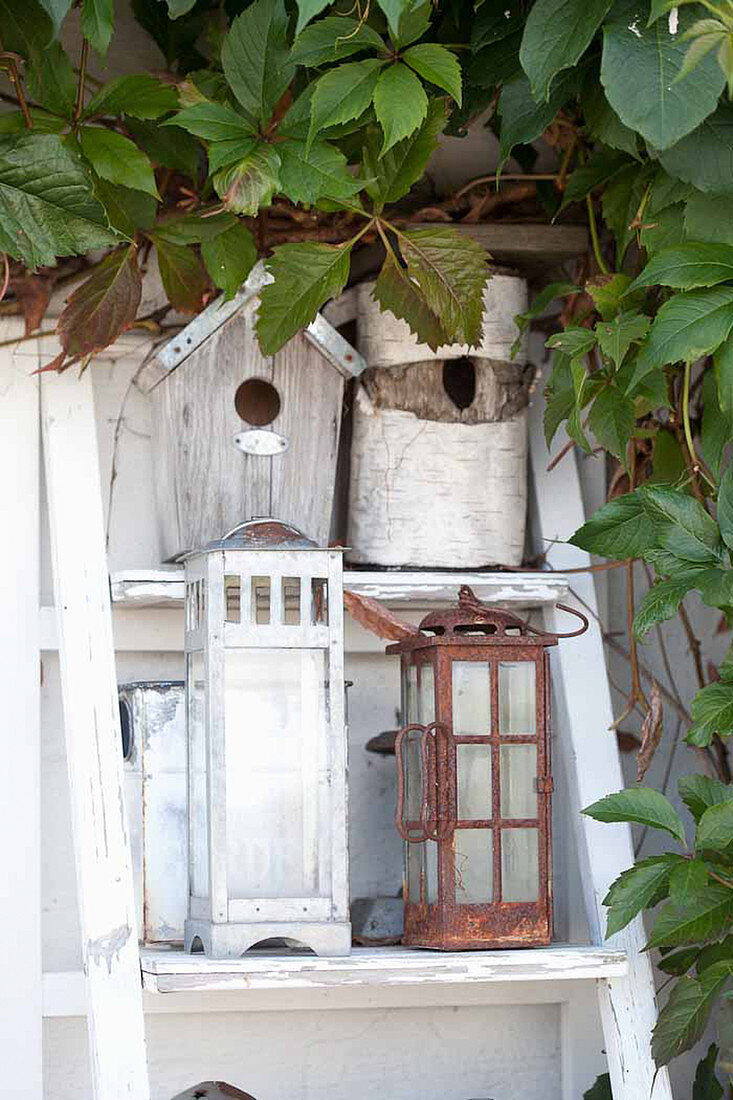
33 293
651 732
182 275
374 616
103 306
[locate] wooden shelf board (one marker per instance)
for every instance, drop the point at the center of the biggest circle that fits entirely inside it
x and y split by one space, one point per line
173 971
164 587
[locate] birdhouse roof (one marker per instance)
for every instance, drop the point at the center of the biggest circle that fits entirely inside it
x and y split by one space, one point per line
323 336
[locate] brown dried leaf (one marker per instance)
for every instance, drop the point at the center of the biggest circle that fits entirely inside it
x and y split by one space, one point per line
33 293
651 732
627 742
103 306
374 616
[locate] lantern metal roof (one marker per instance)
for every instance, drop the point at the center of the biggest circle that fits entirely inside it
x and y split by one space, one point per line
260 533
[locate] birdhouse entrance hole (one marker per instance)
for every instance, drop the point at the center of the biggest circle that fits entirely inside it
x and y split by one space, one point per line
459 381
257 401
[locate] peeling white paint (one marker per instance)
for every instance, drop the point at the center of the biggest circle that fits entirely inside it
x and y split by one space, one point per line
674 19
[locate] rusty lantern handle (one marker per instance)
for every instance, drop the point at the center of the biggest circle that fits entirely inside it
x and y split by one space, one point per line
429 828
399 739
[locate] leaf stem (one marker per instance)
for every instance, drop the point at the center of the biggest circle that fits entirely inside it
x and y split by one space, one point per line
594 236
17 83
79 105
697 464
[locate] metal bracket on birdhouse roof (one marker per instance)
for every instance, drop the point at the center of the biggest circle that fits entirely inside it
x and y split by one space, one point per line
338 351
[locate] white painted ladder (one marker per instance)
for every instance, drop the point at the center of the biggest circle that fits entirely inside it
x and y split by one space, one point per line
102 850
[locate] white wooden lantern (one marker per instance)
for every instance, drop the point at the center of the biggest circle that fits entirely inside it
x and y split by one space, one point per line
266 743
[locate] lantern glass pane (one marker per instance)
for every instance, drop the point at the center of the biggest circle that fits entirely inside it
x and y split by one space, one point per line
520 870
198 815
319 600
474 866
471 698
517 774
412 768
276 771
232 597
426 701
414 859
291 600
260 600
517 697
411 694
473 764
431 871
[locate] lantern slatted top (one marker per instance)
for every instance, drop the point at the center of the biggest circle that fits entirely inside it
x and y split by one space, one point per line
267 743
474 780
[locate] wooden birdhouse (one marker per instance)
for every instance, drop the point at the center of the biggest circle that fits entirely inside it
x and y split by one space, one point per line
239 434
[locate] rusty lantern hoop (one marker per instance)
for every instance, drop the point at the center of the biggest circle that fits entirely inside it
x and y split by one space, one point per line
474 781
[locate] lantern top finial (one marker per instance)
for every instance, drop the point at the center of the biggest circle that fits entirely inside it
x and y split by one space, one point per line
262 533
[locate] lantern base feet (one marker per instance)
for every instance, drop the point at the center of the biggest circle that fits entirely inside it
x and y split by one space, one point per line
229 941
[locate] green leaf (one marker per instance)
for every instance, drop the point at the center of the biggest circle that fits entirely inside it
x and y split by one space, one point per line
621 198
642 805
678 962
251 182
182 275
665 230
256 58
601 1089
332 39
714 835
574 341
437 65
495 22
705 157
660 603
641 887
307 10
97 23
716 433
706 1085
393 175
395 292
666 191
723 367
668 463
725 507
13 122
213 121
699 792
229 257
608 292
394 10
682 525
141 96
307 175
177 8
343 93
701 918
168 146
556 35
620 529
305 276
414 21
52 81
689 876
712 712
194 228
602 122
616 337
495 65
602 166
451 270
103 306
690 325
223 154
683 1019
128 211
57 10
47 208
523 119
612 420
688 266
709 218
639 69
400 104
559 396
115 158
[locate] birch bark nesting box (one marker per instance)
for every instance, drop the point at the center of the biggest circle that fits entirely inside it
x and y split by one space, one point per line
238 434
439 451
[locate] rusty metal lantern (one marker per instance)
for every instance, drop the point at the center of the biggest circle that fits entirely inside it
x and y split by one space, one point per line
474 779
